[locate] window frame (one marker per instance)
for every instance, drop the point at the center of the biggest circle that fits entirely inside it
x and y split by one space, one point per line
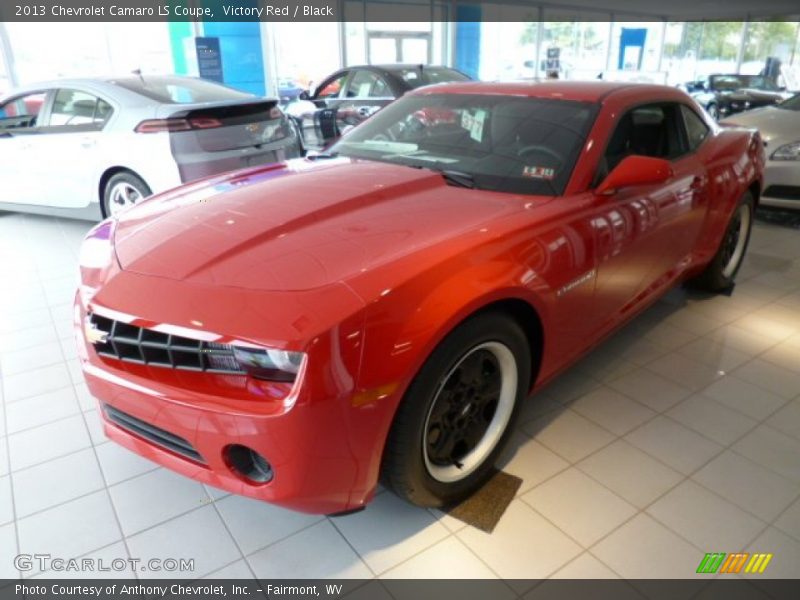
44 111
83 127
373 72
345 77
682 132
685 107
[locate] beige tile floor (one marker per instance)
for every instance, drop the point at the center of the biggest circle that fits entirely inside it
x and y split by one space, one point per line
679 436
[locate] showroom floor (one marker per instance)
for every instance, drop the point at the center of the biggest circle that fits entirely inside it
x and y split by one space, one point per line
679 436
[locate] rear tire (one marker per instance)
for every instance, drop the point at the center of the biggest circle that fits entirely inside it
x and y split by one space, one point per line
122 191
720 273
458 412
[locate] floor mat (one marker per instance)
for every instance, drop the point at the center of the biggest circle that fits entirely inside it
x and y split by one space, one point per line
485 507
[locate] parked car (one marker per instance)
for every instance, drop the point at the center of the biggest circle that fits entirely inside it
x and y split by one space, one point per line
724 95
351 95
780 128
428 273
91 147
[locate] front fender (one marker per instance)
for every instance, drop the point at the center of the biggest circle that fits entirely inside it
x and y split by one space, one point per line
404 325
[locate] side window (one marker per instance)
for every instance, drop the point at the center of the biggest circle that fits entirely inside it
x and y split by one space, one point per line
696 129
331 88
73 108
22 111
366 84
651 130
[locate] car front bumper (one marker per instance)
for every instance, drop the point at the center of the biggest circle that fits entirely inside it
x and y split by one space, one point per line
782 184
324 452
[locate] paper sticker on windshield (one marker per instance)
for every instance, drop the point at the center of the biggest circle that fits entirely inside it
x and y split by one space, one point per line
545 173
476 132
474 123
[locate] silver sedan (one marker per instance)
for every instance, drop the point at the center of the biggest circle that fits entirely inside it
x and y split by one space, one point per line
780 128
92 147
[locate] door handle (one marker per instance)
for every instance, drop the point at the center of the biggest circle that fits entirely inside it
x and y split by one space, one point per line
87 142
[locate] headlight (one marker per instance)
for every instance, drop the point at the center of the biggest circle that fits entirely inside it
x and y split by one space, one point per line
268 363
787 152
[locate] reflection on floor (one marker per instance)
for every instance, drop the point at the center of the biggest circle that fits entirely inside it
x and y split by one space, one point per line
679 436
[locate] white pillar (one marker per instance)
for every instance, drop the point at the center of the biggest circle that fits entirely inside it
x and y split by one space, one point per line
8 56
661 49
742 43
268 55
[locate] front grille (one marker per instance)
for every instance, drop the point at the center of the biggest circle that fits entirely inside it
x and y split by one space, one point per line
784 192
129 343
153 434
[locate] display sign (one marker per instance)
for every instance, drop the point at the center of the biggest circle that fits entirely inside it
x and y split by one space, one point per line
209 59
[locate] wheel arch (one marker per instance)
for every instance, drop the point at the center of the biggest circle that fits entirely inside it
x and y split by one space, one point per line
104 179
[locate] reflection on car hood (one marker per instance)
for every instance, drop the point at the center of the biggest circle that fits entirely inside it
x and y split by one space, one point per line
299 225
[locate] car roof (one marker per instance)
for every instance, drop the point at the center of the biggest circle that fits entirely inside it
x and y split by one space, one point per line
582 91
398 67
100 81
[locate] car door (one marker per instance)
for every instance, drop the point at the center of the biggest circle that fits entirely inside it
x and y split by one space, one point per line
646 233
71 145
19 127
327 99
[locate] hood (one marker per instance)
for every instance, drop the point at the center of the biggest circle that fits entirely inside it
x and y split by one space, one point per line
299 225
772 122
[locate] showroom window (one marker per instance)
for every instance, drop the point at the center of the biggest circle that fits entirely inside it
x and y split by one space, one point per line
73 108
768 39
22 111
696 129
582 47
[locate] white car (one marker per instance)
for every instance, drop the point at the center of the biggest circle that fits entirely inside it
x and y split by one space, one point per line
780 129
89 148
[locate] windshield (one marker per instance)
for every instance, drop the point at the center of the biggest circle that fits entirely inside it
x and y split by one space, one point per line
792 103
500 143
180 90
417 77
736 82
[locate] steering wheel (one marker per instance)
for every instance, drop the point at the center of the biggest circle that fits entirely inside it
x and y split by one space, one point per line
539 149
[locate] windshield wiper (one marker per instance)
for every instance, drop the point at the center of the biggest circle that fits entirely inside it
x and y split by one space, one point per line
458 178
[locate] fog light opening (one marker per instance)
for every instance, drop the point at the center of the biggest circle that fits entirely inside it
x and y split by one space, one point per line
249 464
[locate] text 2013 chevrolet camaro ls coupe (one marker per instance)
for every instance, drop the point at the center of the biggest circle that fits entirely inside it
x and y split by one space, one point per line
298 332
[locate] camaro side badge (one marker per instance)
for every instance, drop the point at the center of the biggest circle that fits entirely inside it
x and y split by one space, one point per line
93 334
576 282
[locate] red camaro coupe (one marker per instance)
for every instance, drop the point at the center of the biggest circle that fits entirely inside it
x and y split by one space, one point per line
299 332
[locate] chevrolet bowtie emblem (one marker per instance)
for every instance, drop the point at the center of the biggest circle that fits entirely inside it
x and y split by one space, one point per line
93 334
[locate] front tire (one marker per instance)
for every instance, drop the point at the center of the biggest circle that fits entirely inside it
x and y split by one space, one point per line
720 273
458 412
122 191
713 111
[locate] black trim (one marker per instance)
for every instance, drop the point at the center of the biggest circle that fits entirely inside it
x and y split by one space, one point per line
153 434
129 343
784 192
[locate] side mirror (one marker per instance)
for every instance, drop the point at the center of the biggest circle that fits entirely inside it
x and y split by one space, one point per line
304 95
635 170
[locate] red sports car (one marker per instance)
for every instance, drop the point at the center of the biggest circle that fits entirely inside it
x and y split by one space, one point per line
299 332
